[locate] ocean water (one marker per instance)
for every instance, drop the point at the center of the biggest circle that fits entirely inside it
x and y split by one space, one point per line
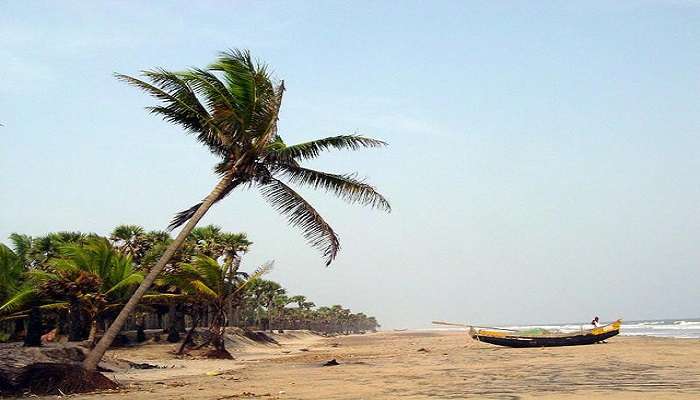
688 328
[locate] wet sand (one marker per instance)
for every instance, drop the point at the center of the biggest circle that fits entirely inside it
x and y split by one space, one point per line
418 365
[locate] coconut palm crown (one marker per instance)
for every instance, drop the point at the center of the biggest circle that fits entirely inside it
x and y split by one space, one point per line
232 107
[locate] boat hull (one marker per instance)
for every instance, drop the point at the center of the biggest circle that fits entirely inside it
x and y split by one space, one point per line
519 341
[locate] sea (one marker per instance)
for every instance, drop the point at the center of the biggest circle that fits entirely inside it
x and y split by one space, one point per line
682 328
686 328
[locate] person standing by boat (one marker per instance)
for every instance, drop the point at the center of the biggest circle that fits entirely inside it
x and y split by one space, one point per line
596 324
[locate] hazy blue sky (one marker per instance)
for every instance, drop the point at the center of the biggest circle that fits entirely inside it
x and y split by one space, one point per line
543 164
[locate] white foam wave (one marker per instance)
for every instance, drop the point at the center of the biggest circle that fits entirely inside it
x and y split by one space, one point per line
687 323
660 328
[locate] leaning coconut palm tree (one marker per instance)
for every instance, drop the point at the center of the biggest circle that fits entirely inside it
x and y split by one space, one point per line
232 107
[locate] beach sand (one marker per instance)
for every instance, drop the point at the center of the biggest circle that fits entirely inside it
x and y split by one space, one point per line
391 365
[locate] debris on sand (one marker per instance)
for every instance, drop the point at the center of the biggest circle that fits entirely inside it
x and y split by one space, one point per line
135 365
245 395
331 363
304 349
423 350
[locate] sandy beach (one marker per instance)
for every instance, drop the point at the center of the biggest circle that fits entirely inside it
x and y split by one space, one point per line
416 365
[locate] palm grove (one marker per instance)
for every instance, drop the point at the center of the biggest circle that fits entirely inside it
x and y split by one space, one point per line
73 284
232 108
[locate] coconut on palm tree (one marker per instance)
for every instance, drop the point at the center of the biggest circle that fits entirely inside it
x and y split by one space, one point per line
232 108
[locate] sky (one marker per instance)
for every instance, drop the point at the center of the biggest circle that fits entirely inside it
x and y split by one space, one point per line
542 164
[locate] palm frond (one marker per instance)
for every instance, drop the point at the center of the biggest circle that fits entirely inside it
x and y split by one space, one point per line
257 274
132 280
55 306
270 113
160 298
302 215
22 244
127 232
238 72
20 299
37 276
264 269
203 289
181 105
184 216
312 149
11 271
222 103
209 270
346 186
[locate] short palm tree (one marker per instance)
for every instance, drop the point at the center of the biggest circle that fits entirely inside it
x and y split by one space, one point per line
36 251
264 293
232 107
129 239
92 278
210 283
19 288
11 273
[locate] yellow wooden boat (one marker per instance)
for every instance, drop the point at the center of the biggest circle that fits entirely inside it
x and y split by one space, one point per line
510 338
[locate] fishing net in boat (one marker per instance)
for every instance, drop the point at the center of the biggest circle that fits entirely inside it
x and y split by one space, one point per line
537 332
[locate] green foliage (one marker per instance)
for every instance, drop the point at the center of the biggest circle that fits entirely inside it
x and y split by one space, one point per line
232 107
11 272
82 268
99 274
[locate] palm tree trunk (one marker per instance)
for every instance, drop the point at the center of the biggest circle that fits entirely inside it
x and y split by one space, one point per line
94 357
188 337
173 334
229 311
180 319
269 318
19 329
93 333
235 313
159 320
34 328
75 333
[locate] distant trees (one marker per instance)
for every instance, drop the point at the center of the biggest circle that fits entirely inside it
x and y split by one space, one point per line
75 283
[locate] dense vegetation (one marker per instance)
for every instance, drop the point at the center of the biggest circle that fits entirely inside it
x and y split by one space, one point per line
74 284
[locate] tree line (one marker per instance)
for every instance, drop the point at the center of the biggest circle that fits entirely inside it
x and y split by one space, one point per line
74 284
